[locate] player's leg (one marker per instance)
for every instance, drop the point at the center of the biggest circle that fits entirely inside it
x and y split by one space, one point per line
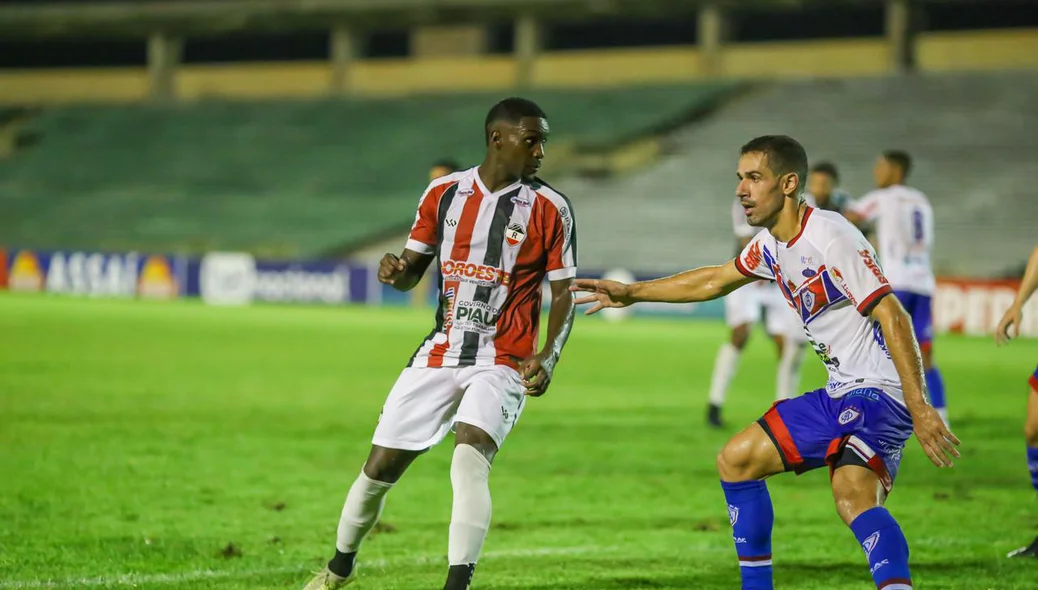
741 309
491 405
920 308
787 332
417 414
864 462
1031 436
785 439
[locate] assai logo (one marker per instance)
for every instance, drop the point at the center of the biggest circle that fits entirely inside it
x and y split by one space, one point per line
870 543
515 234
849 415
93 273
156 280
733 514
26 274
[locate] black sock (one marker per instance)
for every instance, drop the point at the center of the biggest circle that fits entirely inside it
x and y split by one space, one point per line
342 564
459 576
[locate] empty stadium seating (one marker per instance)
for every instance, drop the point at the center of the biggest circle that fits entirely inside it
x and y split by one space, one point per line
281 179
974 138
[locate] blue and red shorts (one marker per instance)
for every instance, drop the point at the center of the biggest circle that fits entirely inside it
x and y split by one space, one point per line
920 308
1034 380
864 427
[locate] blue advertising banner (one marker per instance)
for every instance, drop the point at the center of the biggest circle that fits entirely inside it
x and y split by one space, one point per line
97 274
236 278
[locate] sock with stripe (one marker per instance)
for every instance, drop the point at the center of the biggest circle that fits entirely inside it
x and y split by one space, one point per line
885 547
752 517
1032 465
935 385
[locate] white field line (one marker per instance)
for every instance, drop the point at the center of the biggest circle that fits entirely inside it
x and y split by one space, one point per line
208 574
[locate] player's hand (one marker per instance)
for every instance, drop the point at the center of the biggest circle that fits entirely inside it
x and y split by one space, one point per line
938 442
391 268
536 372
603 294
1010 320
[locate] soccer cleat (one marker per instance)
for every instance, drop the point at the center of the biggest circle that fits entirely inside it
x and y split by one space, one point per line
326 580
1029 551
713 416
459 577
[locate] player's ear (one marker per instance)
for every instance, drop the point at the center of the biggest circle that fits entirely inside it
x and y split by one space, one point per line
790 184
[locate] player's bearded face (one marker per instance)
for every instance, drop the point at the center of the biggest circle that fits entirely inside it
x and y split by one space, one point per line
759 190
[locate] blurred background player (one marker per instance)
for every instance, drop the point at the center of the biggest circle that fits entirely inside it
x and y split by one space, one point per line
904 232
441 168
823 182
1011 321
498 232
742 309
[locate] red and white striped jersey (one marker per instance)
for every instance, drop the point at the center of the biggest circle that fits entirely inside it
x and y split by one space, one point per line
494 251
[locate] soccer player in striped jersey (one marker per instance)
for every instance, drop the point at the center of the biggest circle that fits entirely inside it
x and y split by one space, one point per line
902 219
858 424
1011 321
497 232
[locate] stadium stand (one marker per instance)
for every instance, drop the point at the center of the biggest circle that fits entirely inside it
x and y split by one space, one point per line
277 179
971 135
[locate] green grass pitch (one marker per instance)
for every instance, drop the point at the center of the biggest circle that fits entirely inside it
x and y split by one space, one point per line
171 445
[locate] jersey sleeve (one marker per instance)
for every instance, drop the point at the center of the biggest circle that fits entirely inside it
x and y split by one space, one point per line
560 242
867 207
751 261
853 266
424 231
741 228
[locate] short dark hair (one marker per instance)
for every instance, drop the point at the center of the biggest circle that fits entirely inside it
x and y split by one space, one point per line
899 158
511 110
827 168
784 154
447 163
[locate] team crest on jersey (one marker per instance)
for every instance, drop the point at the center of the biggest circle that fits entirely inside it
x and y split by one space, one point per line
849 415
515 234
814 295
733 514
870 543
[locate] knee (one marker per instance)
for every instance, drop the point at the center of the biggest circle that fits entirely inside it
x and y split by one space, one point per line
1031 432
388 465
468 465
736 461
740 336
856 495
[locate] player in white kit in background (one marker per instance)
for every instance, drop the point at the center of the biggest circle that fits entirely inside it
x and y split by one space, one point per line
903 222
742 309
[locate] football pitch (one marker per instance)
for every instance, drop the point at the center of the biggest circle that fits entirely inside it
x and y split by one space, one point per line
172 445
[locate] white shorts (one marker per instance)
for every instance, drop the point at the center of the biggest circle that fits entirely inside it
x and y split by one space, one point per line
425 403
744 306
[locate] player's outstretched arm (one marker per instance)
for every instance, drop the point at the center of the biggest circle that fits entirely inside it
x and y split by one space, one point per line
701 284
405 271
538 369
938 442
1011 319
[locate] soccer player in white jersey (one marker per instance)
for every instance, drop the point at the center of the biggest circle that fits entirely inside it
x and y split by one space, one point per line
498 231
858 424
1011 322
904 229
742 309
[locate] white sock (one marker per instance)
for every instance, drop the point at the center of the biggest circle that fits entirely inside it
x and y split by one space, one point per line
724 369
787 378
360 512
470 514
